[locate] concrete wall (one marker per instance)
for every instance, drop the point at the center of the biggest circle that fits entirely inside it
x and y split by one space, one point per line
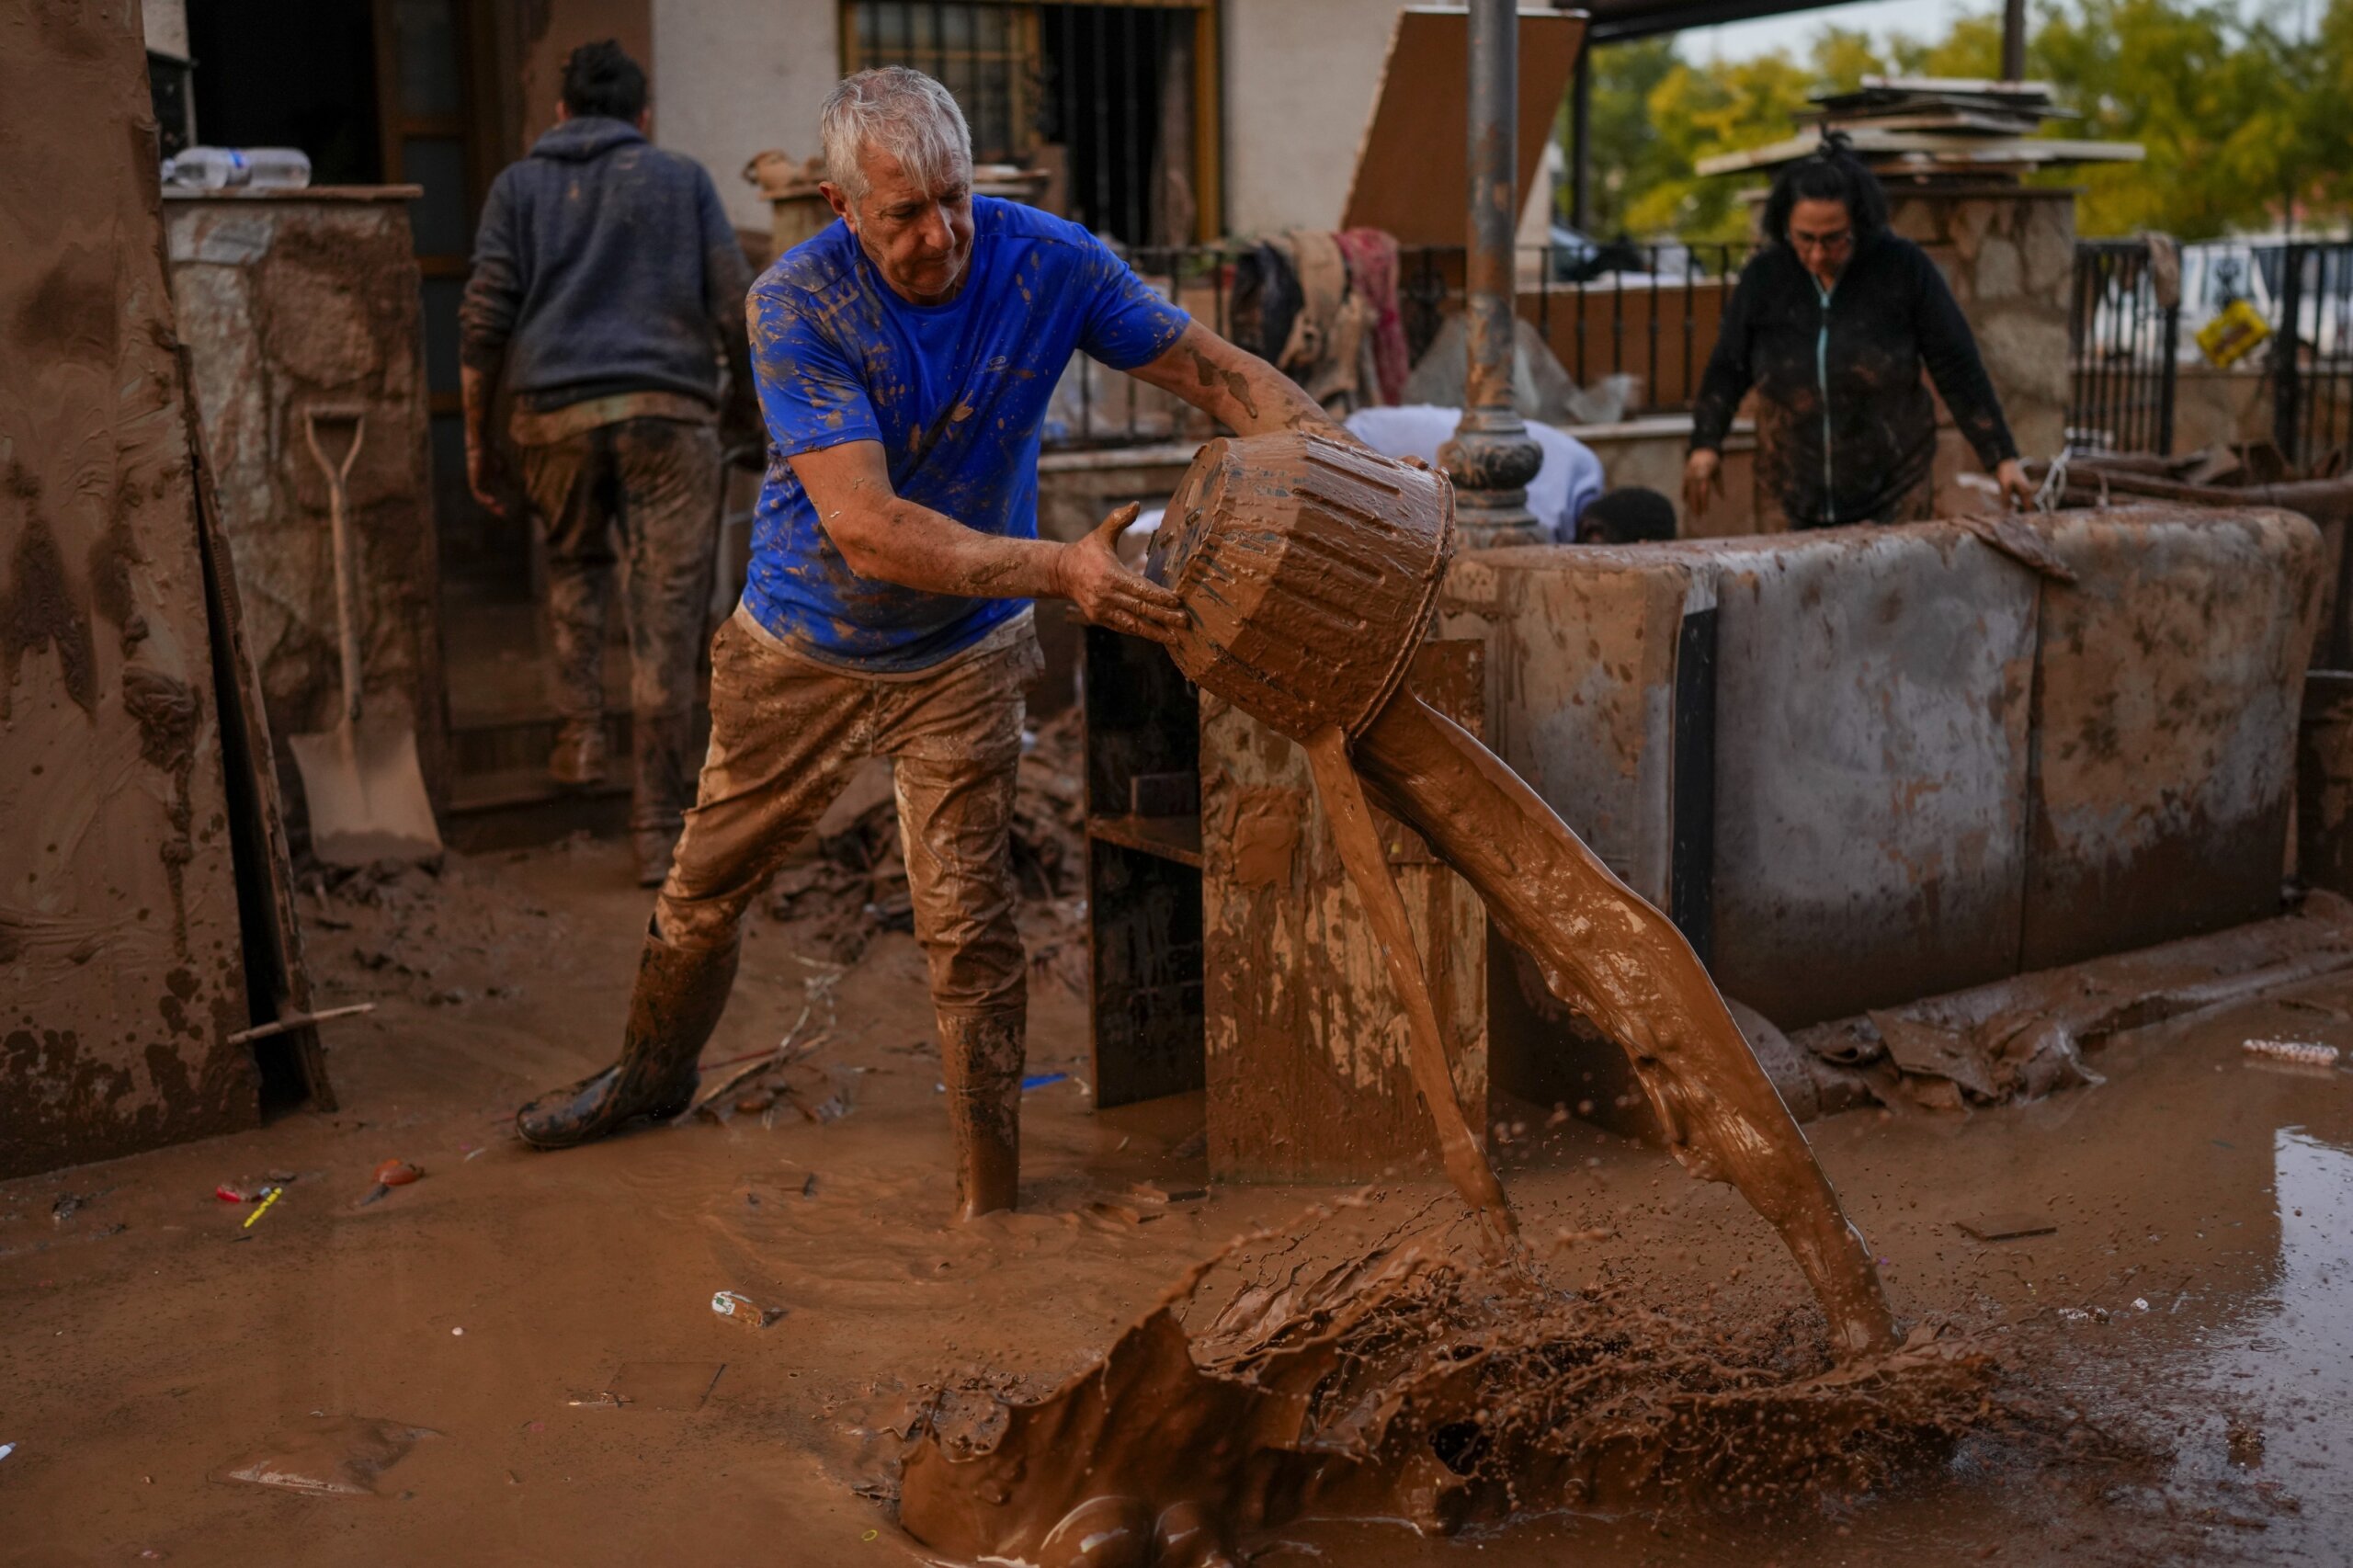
2216 408
735 77
1933 766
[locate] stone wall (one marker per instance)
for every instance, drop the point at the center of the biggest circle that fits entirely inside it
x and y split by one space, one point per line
289 300
2009 254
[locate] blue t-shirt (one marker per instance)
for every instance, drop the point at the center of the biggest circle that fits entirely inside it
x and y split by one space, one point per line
955 394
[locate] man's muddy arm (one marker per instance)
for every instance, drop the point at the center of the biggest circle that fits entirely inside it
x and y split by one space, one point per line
1235 387
885 535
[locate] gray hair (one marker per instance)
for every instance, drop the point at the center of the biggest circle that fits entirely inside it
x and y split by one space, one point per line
902 111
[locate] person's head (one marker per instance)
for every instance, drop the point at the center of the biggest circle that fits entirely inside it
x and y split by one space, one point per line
601 79
1826 207
899 172
1630 515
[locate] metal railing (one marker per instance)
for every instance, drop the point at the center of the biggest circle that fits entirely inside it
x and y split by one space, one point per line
2311 357
1648 312
2123 348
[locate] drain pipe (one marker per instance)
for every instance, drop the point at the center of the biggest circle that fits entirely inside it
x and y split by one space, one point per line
1492 456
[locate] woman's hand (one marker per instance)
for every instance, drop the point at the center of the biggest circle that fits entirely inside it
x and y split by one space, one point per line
1702 478
2011 479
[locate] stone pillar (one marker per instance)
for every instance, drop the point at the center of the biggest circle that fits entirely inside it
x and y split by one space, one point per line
2010 253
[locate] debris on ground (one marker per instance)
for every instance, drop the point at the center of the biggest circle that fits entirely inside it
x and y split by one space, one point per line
785 1079
2009 1227
2023 1038
397 1173
855 883
341 1459
2297 1053
738 1308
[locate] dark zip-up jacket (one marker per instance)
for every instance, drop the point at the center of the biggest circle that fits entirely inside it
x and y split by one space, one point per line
1846 432
603 265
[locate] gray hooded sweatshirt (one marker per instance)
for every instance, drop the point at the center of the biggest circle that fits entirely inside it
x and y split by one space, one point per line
604 265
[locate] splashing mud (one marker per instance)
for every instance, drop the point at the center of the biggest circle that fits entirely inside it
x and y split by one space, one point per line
1412 1384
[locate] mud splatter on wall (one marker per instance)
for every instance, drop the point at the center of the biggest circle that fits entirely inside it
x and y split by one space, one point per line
121 974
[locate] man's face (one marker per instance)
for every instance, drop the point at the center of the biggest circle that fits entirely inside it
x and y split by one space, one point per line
919 239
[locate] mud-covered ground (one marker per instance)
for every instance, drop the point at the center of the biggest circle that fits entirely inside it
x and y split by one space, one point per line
2183 1339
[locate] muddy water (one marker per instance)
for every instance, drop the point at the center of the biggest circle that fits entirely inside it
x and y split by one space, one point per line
149 1350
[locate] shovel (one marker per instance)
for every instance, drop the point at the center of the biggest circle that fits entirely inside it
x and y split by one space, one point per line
365 790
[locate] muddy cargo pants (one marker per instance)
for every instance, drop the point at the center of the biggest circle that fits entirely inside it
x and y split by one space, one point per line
787 735
638 498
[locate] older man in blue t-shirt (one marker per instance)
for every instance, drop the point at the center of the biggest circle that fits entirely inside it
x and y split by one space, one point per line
905 357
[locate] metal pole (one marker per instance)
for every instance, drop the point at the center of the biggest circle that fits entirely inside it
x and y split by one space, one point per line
1581 149
1492 456
2013 40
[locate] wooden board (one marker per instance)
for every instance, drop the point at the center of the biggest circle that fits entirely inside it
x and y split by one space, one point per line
1411 175
1306 1045
277 981
121 968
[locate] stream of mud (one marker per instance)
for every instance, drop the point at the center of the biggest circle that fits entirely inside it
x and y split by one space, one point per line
1414 1383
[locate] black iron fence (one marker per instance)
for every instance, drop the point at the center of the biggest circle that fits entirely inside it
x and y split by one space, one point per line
1632 325
2127 345
2123 342
2311 357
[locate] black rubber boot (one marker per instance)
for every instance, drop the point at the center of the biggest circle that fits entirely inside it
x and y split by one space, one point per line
982 1054
680 993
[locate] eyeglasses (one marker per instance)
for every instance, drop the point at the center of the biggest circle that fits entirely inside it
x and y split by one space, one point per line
1825 243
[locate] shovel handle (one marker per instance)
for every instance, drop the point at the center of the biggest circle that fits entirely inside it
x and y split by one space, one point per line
347 586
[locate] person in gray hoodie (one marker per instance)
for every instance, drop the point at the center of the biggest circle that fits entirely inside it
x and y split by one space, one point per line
606 299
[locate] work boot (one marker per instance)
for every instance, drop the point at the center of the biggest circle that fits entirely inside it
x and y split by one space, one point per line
578 760
680 993
659 744
982 1054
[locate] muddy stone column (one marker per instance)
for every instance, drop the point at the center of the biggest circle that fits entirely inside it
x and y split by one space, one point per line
1492 456
2010 253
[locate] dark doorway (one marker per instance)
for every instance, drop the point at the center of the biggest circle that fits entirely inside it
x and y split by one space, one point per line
1109 70
290 74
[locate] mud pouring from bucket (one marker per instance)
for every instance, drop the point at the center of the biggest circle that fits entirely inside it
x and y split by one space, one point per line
1310 569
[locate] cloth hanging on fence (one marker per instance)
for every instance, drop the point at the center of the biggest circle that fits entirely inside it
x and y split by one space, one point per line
1330 341
1371 256
1265 301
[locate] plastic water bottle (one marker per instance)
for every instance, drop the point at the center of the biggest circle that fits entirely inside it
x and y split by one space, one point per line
222 168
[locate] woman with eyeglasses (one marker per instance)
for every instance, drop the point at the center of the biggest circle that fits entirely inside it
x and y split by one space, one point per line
1832 323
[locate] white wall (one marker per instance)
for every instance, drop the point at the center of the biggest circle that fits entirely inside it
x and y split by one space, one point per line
733 77
1300 79
165 24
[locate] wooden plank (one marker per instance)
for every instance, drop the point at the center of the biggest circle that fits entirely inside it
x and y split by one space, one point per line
1411 175
1307 1067
121 967
277 981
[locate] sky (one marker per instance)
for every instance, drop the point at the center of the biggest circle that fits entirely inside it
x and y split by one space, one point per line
1738 41
1921 18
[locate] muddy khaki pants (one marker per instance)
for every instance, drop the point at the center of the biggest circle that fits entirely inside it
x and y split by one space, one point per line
639 498
788 733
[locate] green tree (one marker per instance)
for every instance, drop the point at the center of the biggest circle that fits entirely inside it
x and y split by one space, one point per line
2247 121
1627 154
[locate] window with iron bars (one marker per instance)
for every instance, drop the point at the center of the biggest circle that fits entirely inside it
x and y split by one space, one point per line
1115 105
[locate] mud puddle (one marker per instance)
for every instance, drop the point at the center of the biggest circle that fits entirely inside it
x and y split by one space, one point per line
149 1349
